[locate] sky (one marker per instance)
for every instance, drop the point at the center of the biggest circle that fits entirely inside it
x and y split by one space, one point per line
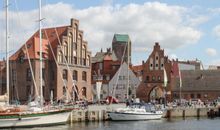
185 29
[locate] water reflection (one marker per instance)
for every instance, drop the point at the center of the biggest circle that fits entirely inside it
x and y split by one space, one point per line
163 124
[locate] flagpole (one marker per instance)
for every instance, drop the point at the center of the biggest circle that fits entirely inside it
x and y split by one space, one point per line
165 85
180 85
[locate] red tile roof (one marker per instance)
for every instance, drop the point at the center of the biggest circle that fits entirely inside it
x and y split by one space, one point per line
34 47
137 68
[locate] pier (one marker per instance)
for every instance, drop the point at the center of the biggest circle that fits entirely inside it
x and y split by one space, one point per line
93 113
192 112
99 112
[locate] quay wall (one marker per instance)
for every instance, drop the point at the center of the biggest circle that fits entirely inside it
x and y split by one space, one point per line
189 112
99 112
93 113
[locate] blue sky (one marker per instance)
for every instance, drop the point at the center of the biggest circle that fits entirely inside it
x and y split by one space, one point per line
186 29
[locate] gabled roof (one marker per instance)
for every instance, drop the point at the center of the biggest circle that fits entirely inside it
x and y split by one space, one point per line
121 37
199 80
34 47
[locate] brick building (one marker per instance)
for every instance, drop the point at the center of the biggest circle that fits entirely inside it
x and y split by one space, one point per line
152 85
104 67
2 77
196 84
69 48
106 64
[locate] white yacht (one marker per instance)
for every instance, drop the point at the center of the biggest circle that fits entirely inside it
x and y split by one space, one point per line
135 112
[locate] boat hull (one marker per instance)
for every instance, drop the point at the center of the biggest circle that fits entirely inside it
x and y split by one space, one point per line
32 121
118 116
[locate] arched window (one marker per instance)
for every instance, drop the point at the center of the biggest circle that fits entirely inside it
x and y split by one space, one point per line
84 76
84 54
75 32
75 75
84 92
70 48
65 74
75 53
88 61
65 50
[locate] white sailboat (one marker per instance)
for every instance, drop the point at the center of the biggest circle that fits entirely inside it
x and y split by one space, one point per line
135 111
35 115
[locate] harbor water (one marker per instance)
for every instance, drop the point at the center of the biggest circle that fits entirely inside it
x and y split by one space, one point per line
163 124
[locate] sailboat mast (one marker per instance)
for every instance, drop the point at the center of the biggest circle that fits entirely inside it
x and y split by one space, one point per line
7 55
41 64
128 69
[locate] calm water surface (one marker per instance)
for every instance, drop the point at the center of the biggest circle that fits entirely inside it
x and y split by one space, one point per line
164 124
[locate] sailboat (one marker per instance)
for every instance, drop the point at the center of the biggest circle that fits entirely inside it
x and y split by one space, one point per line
36 115
136 111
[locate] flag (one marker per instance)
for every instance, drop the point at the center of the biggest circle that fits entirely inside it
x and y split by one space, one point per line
98 87
180 78
165 78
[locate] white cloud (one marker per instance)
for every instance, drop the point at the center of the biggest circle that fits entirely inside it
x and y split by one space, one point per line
211 52
195 21
145 24
216 31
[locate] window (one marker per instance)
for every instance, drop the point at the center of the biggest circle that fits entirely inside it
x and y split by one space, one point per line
14 76
159 78
21 59
84 77
192 95
75 60
84 91
153 78
198 95
84 54
43 73
157 58
65 74
75 75
156 65
65 49
60 57
64 91
28 74
104 77
147 78
107 77
88 61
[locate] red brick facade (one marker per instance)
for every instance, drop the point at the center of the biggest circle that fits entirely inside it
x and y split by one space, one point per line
72 49
152 85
